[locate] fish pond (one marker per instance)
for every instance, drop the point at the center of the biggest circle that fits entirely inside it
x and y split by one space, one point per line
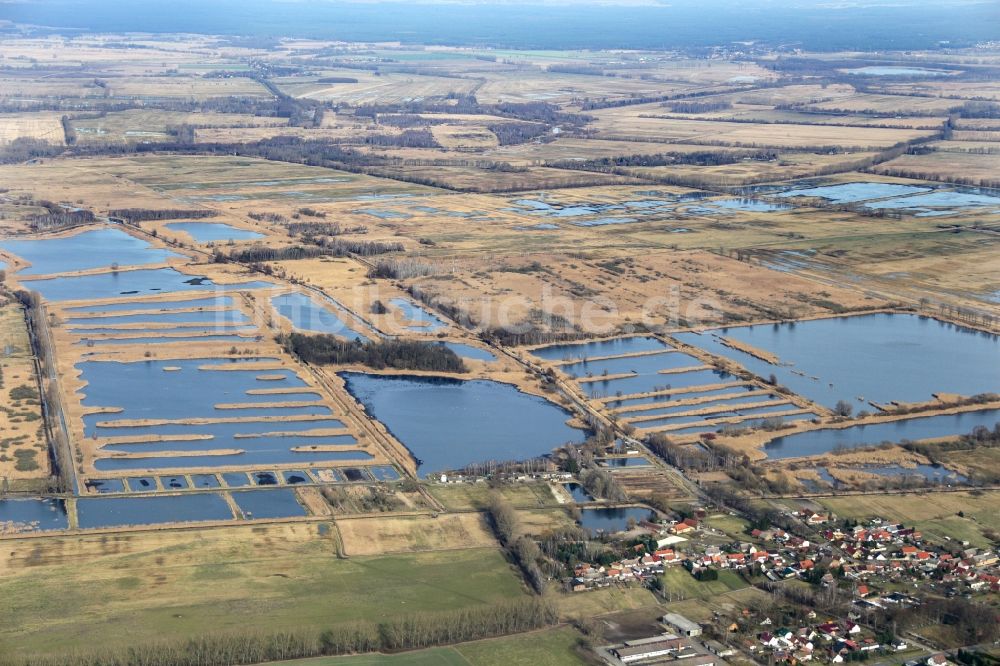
819 442
146 281
878 357
88 250
32 515
449 423
308 315
610 520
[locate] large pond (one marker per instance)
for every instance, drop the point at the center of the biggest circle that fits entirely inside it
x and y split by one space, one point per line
98 512
32 515
469 352
877 357
611 520
98 248
308 315
889 70
144 281
217 317
448 423
818 442
650 363
209 232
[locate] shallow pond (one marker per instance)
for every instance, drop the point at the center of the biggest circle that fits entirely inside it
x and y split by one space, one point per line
384 473
266 456
98 512
940 199
470 352
33 515
421 320
88 250
625 461
727 400
610 520
853 192
275 503
818 442
666 398
612 347
880 357
448 423
308 315
130 283
747 205
208 232
162 340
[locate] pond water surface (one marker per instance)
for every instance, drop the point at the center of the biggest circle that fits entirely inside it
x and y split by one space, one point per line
98 248
611 520
448 423
208 232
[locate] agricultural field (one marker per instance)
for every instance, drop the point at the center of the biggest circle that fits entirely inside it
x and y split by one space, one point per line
272 578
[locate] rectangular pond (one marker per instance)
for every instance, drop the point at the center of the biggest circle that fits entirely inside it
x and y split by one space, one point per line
877 357
102 512
275 503
448 423
211 303
217 317
144 281
32 515
612 347
641 365
87 250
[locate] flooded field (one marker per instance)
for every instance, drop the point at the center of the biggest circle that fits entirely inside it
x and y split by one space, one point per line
449 423
867 358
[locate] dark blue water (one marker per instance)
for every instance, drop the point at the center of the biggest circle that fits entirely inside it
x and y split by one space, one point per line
579 493
205 481
881 357
174 482
818 442
88 250
449 423
104 486
212 302
643 365
468 351
613 347
34 515
275 503
207 232
97 512
130 283
655 382
613 520
219 431
308 315
142 484
250 444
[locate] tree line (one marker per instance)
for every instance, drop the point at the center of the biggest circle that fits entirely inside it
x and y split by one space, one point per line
400 354
406 632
